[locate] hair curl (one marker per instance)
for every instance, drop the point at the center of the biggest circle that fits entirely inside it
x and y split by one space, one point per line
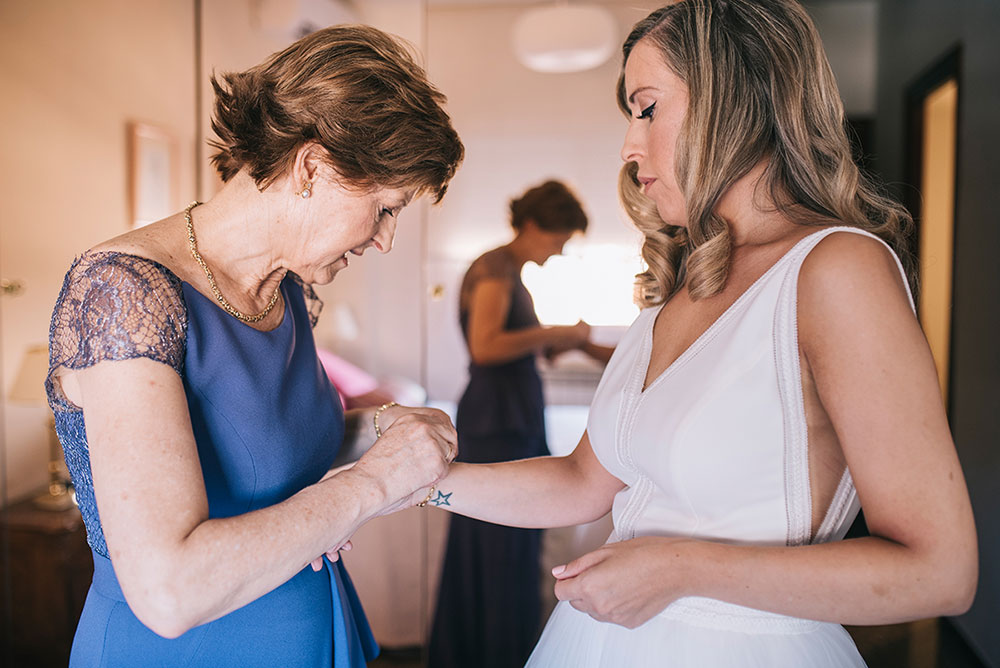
353 90
552 206
760 88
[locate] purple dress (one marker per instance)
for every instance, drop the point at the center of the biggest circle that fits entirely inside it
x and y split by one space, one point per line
267 423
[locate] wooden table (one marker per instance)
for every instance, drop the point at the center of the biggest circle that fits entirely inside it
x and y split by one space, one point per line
45 571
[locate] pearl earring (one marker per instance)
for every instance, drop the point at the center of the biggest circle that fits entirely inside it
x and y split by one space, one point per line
306 190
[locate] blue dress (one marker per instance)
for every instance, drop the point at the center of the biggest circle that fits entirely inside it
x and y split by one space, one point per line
267 423
488 612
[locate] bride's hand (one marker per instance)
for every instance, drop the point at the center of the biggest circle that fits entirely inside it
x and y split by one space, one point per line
625 583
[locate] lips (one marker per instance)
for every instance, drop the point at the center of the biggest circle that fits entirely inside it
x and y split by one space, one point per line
645 182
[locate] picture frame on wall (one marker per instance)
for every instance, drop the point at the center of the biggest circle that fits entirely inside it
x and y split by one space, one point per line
152 173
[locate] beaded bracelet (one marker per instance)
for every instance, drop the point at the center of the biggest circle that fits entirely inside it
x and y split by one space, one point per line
378 411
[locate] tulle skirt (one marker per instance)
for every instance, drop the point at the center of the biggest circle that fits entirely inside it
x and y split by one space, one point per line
694 633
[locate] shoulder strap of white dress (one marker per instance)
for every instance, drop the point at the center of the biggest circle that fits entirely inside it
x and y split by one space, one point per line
798 495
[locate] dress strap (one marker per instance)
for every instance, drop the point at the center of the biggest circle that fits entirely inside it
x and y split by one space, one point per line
798 494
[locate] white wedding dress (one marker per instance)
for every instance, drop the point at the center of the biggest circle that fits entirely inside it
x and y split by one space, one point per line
716 449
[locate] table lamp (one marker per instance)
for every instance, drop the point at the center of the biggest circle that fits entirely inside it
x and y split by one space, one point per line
29 388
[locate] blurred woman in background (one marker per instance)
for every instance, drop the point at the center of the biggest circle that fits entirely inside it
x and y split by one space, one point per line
488 611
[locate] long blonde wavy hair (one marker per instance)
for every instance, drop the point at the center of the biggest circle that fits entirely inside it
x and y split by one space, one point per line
760 88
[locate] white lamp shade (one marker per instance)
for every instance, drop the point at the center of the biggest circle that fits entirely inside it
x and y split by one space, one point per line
564 38
29 383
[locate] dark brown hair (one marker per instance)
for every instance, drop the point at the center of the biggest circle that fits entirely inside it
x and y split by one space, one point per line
552 206
760 88
352 89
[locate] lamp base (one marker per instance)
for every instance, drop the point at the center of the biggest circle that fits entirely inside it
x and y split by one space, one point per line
57 499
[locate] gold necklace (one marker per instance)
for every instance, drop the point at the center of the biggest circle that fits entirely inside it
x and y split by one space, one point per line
223 302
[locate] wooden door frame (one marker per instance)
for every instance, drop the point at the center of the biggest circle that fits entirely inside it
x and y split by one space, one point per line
948 66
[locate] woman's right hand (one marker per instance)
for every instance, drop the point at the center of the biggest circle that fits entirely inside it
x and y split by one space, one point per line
413 453
568 337
578 334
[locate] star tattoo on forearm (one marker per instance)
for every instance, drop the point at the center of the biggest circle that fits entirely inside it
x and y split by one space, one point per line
441 499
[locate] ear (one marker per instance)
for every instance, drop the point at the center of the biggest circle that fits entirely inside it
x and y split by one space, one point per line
307 165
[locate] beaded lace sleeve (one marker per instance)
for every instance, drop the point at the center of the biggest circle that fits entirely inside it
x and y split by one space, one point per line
314 305
115 306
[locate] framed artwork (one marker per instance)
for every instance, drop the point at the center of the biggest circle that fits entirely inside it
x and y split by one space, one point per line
152 173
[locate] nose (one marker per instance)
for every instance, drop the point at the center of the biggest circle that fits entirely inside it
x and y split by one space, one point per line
632 145
382 241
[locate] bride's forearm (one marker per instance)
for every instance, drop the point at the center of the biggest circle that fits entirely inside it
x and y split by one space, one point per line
537 493
859 581
533 493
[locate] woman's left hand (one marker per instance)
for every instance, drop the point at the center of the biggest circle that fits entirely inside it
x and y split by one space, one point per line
333 555
625 583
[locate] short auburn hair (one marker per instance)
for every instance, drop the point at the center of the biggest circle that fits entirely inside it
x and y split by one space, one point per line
352 89
553 207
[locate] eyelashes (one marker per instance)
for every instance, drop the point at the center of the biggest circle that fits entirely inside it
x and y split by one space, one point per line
647 113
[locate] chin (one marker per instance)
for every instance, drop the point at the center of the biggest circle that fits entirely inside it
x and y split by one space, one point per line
672 216
322 277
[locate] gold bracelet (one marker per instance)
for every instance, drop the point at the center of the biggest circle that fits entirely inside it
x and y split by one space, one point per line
378 411
428 497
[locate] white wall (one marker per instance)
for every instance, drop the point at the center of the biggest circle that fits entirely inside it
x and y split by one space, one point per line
520 128
73 74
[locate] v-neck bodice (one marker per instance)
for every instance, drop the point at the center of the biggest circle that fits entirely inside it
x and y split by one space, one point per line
709 332
716 446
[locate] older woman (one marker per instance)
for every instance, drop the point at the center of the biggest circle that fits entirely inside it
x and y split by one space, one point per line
776 379
196 420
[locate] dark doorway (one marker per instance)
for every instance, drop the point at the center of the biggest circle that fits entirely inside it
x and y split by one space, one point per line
932 110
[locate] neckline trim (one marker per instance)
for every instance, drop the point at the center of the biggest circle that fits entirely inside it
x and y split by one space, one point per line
711 331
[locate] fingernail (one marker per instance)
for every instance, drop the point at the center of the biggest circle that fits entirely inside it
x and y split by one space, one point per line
557 571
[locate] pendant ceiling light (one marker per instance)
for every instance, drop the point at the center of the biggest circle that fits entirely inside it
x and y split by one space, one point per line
564 38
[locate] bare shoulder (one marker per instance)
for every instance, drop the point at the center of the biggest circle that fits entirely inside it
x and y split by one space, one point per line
846 266
850 292
495 264
159 241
